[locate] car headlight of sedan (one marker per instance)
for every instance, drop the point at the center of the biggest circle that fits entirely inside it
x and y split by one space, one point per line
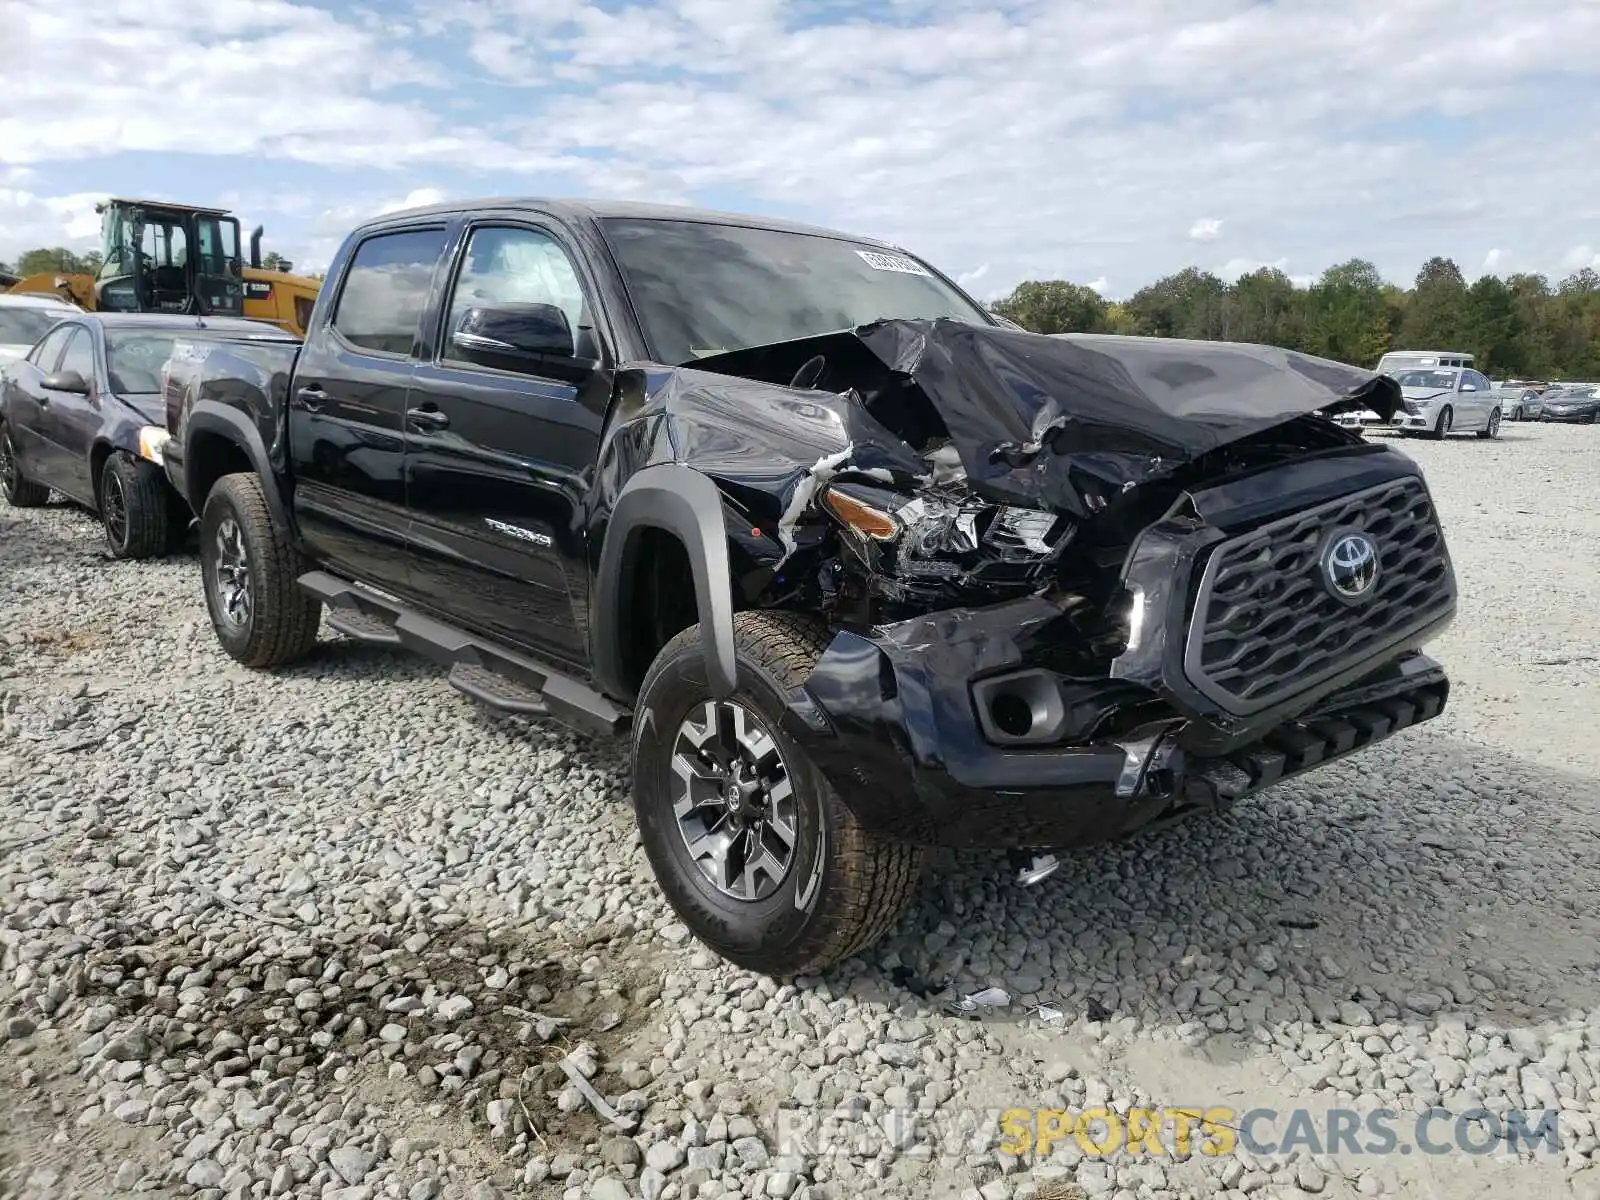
153 443
945 540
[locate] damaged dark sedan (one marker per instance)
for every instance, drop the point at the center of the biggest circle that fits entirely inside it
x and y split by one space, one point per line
859 569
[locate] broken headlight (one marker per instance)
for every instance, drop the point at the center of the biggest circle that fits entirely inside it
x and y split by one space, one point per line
945 539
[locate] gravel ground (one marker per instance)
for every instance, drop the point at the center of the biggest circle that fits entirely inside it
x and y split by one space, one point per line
340 933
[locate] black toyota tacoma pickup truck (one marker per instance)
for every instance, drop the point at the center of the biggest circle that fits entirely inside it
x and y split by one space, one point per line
860 569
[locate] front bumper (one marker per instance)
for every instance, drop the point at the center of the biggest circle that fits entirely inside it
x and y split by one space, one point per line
890 722
899 721
1582 416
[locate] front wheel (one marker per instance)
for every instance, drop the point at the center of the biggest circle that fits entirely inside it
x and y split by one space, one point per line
251 569
1442 426
754 850
1492 429
135 508
19 492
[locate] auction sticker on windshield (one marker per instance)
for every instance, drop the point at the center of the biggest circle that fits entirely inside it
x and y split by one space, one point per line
891 262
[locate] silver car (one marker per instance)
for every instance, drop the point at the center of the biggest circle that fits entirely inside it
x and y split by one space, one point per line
1519 404
1441 400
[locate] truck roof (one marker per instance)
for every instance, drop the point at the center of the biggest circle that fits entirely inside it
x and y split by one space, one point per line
601 209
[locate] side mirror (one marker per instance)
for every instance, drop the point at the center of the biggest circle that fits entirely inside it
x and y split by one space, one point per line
65 381
514 331
1469 387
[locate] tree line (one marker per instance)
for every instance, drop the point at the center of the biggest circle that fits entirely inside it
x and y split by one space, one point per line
1519 327
66 262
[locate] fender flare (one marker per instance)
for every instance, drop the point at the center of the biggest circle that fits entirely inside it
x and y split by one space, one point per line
686 504
236 428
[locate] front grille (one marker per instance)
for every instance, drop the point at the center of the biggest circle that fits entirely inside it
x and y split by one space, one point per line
1265 624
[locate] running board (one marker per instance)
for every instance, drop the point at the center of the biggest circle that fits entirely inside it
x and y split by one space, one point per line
501 678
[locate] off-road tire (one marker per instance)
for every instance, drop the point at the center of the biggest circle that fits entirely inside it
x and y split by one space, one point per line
1492 430
283 619
865 879
1443 425
20 492
146 503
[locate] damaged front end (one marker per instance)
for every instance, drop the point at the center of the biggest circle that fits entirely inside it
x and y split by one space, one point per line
1079 584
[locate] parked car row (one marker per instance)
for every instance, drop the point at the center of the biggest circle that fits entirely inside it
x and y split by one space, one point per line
857 569
82 414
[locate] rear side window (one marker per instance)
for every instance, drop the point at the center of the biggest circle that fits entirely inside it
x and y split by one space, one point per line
386 290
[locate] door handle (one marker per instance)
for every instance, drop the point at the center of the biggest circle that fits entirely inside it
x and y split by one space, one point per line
427 418
312 398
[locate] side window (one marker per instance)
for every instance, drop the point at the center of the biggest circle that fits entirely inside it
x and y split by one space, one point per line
47 352
505 265
80 355
386 289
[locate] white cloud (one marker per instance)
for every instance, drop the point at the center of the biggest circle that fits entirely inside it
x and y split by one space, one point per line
28 221
1099 285
945 128
416 198
1579 257
1494 261
968 278
1235 267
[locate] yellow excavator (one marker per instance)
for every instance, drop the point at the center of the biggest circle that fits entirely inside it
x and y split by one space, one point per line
179 258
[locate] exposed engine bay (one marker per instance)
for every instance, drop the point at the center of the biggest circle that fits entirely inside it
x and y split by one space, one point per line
974 465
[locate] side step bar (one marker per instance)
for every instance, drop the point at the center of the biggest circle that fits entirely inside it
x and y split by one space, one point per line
500 678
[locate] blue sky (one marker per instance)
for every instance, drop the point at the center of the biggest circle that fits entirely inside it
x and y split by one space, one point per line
1105 143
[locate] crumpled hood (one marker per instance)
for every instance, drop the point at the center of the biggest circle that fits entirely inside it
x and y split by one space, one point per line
1067 421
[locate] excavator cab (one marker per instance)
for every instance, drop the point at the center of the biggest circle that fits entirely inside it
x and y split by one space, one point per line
173 258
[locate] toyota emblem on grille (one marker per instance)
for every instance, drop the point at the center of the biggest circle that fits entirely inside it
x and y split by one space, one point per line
1351 565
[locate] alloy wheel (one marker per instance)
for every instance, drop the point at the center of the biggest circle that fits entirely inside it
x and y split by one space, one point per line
231 573
114 510
8 463
1494 423
734 800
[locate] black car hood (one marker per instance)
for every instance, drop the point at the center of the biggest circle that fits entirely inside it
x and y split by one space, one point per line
1059 421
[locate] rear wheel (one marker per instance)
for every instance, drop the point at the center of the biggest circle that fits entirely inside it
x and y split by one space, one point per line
135 508
1442 426
754 850
19 492
251 569
1492 430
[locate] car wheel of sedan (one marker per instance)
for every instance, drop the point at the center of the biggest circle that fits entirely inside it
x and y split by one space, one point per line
251 570
19 492
135 508
754 850
1492 429
1442 426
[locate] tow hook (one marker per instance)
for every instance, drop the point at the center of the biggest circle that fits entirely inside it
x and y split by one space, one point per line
1033 868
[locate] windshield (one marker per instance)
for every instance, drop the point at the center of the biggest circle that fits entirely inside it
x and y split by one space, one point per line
25 326
1438 381
134 360
702 289
1577 393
